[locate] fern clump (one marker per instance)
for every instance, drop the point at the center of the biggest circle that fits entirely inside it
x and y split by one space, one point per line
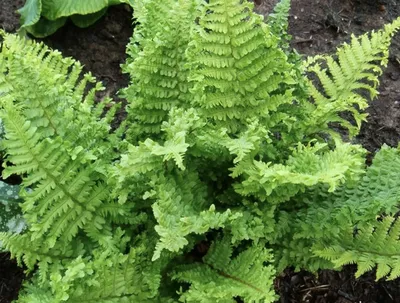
224 172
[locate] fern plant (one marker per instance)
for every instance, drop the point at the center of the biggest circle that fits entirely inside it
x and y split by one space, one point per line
219 175
42 18
347 226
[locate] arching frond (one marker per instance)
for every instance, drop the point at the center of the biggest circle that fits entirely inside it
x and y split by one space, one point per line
354 69
236 66
222 277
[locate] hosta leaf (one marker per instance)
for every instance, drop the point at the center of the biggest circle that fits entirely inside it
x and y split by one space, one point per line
10 213
30 12
54 9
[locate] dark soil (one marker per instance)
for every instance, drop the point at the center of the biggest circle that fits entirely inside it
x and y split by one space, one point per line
8 17
330 286
100 48
317 26
11 277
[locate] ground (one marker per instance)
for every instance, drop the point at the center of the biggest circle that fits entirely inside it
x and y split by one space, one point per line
317 26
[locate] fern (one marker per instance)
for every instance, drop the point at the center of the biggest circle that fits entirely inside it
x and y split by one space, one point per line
226 141
53 142
350 72
158 73
373 245
278 20
104 277
305 168
332 221
219 278
237 69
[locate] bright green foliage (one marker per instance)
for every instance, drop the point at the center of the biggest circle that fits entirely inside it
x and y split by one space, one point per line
159 78
349 74
42 18
105 277
307 166
55 139
343 227
219 278
278 20
226 142
368 246
237 69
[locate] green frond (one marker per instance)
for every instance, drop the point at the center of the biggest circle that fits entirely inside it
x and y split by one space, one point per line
150 21
103 278
330 217
278 21
54 140
29 252
236 66
180 209
159 77
248 142
375 245
149 157
222 277
306 167
222 138
62 190
56 93
255 223
354 69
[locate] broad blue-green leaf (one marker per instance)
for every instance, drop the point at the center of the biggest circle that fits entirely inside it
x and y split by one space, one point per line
54 9
46 27
87 20
30 12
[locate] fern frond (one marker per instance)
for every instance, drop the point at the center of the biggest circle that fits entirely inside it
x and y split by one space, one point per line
278 21
29 252
180 210
220 278
308 166
150 21
354 69
54 140
321 216
376 245
104 277
236 66
222 139
62 192
159 78
54 101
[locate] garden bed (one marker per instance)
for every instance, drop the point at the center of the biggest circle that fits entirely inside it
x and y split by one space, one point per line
316 27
